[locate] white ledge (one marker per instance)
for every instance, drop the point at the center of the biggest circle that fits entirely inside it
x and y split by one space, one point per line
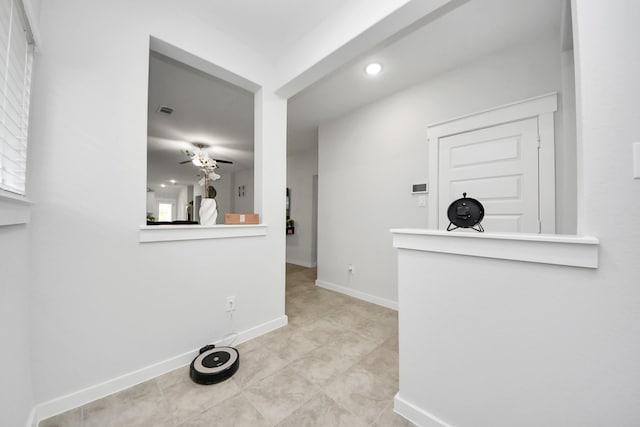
574 251
14 209
168 233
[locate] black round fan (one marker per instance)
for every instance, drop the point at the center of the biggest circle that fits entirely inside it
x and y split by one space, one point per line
465 213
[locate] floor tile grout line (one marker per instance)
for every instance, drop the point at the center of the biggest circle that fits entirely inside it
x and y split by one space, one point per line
242 392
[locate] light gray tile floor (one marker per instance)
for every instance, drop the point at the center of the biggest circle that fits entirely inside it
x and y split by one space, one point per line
334 364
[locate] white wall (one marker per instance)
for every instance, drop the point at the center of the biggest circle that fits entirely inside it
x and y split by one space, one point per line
502 343
16 392
301 168
103 304
369 159
566 150
487 342
243 203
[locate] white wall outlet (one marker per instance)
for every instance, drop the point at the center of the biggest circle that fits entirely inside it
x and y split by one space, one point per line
231 303
422 201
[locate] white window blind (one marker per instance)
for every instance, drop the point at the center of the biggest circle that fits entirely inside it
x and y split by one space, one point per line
16 58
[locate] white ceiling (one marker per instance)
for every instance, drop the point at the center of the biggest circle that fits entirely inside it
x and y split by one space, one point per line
269 27
211 111
469 32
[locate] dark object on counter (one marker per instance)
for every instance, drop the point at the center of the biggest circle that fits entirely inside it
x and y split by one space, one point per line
465 213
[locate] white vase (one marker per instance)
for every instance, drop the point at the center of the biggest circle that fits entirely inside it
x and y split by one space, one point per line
208 211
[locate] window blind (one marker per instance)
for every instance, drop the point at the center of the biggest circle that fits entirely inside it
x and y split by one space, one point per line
16 58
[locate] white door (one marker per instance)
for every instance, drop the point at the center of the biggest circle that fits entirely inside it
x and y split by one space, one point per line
498 166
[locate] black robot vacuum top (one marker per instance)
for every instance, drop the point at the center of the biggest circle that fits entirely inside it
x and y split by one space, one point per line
214 364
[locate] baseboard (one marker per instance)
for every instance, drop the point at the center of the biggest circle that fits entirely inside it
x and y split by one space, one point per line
82 397
262 329
416 415
393 305
301 263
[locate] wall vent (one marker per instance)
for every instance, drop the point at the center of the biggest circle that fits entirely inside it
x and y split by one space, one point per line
165 110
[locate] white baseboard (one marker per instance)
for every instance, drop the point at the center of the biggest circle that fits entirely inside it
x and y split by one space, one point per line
307 264
82 397
393 305
416 415
262 329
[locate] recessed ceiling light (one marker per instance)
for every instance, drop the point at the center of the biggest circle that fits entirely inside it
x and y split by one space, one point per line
373 68
162 185
173 181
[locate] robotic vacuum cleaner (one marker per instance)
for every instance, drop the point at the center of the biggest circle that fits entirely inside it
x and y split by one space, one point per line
214 364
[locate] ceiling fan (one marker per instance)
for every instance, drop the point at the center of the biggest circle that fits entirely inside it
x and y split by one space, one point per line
196 155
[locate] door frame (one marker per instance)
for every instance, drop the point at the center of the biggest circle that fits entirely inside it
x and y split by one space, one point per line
541 107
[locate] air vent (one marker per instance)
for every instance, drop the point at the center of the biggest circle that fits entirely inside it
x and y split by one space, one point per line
165 110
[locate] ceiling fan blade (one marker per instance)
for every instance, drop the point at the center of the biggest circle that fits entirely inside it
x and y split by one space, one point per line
223 161
186 161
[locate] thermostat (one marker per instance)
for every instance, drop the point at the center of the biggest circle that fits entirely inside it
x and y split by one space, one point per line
419 188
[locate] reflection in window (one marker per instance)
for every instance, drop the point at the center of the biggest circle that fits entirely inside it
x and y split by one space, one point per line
191 111
164 211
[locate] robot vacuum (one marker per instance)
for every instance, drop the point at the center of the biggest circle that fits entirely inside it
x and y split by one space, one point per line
214 364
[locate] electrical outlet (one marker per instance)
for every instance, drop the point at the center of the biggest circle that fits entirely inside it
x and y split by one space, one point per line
231 303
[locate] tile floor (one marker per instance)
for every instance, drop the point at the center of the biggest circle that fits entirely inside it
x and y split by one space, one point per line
334 364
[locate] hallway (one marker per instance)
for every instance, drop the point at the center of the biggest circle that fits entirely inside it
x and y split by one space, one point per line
334 364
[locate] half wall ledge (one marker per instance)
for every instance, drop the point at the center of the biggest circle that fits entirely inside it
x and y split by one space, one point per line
168 233
574 251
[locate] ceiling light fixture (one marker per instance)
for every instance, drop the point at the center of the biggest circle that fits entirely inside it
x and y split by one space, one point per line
162 185
373 68
173 181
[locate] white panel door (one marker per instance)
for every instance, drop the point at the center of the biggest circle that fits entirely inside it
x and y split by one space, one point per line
498 166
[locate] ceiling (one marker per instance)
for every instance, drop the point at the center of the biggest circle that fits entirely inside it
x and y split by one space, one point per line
207 110
472 30
211 111
269 27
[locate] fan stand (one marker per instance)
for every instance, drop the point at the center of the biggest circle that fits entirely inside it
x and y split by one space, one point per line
478 229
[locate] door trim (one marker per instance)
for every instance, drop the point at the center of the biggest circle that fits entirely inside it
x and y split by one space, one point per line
541 107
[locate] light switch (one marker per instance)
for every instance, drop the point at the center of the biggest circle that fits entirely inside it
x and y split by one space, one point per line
422 201
636 160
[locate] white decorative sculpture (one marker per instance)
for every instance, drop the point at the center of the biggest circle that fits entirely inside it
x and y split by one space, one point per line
208 208
208 211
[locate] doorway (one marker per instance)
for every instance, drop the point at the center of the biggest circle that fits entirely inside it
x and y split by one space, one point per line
503 157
